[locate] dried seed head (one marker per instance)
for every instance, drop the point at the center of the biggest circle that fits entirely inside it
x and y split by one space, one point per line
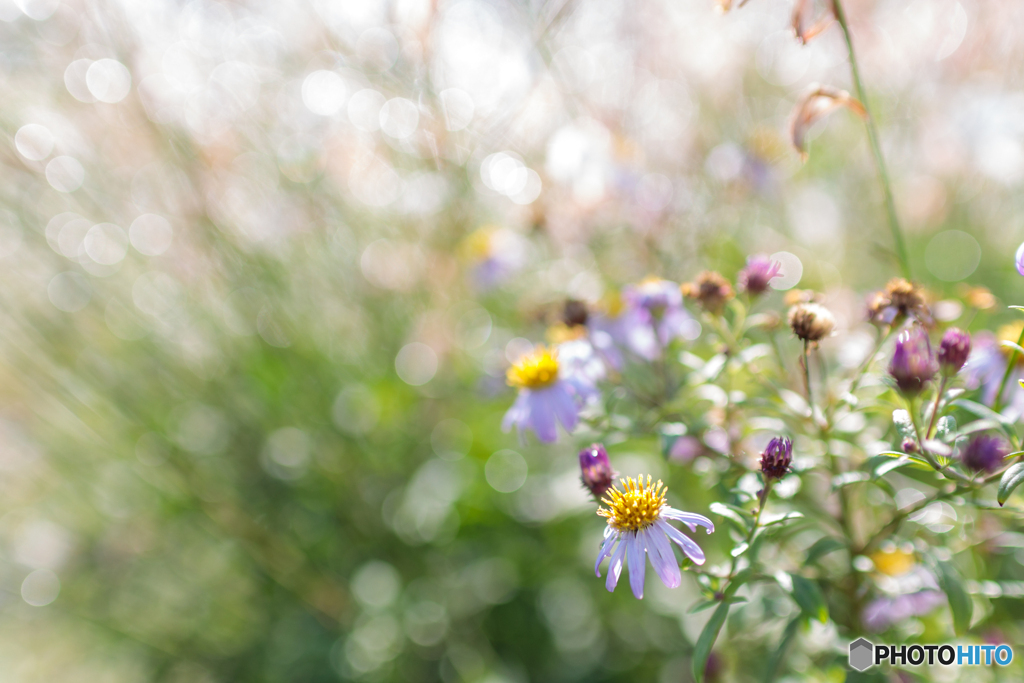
710 290
811 322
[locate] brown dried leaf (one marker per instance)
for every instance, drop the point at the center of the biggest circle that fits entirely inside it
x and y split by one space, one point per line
803 26
818 102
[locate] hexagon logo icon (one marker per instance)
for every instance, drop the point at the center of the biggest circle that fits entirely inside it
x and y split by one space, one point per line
862 654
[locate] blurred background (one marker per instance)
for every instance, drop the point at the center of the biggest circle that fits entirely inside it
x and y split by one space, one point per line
263 266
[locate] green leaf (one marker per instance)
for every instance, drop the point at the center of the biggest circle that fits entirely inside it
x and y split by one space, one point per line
959 600
1012 478
1012 345
904 425
701 606
946 429
730 514
982 411
772 669
782 519
706 641
848 478
915 460
822 547
979 426
1019 308
808 595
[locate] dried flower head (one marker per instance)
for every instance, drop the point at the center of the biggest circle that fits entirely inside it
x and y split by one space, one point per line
804 26
758 274
811 322
777 458
912 363
710 290
575 313
901 299
980 298
984 453
596 470
954 350
801 296
818 102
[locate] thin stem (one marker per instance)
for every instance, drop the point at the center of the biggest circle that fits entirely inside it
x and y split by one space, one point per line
876 149
935 408
807 376
1006 375
862 370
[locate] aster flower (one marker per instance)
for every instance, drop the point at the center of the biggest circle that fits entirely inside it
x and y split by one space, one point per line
777 458
883 612
984 453
756 277
909 590
596 471
912 363
811 322
653 316
954 350
493 254
545 395
638 523
987 364
710 290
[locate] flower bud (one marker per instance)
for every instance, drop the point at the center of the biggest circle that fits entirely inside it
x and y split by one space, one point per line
711 290
953 351
758 274
909 446
984 453
777 458
596 470
912 362
811 322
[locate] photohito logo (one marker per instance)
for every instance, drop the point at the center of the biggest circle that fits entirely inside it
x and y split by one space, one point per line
865 654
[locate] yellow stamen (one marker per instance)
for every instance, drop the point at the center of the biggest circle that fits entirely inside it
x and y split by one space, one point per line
893 562
636 507
1010 333
534 370
560 333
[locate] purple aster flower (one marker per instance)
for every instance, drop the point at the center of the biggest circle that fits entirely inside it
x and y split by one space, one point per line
1020 259
596 470
912 362
777 458
638 524
544 396
656 306
987 364
758 274
984 453
954 350
885 611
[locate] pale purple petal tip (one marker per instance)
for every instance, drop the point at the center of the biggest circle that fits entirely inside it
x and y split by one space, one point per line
662 558
637 563
615 567
1020 259
606 549
689 547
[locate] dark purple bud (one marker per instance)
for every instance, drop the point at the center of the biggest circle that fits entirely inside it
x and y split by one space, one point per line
912 362
757 275
777 458
909 446
954 350
985 453
596 470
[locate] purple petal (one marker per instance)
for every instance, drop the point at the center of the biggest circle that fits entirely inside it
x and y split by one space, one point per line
615 567
542 416
563 406
637 563
690 519
606 549
517 413
662 558
691 549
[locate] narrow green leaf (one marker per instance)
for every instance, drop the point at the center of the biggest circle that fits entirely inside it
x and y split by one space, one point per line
1012 478
915 460
808 595
946 429
959 600
848 478
1013 345
1019 308
782 519
979 426
822 547
706 641
982 411
731 515
739 550
780 652
701 606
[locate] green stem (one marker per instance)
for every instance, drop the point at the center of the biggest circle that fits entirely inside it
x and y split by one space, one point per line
876 149
1006 375
935 408
807 376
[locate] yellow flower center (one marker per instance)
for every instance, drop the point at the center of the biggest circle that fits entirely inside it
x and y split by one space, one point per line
613 304
477 245
1010 333
636 507
559 333
534 370
893 562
